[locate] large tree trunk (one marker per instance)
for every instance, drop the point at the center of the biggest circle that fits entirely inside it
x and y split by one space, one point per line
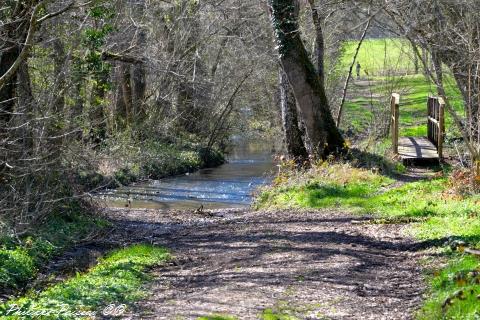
306 84
293 135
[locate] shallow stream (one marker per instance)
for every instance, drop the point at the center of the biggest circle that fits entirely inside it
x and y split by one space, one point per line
230 185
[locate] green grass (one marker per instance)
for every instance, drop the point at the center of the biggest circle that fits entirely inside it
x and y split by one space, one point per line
455 292
218 317
286 310
439 214
363 192
270 314
21 258
377 56
413 104
117 279
413 88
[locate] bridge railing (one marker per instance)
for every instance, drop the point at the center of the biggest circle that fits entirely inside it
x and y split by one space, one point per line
436 123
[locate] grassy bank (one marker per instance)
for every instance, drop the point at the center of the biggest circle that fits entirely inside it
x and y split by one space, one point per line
125 161
435 213
22 257
116 280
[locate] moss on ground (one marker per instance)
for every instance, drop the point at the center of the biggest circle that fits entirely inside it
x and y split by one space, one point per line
218 317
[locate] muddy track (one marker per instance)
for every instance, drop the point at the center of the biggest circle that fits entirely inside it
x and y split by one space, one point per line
314 265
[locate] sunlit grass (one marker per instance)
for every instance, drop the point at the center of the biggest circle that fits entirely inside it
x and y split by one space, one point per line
218 317
117 279
455 291
378 56
270 314
438 214
21 258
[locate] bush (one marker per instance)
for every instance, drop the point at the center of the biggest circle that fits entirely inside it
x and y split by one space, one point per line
16 267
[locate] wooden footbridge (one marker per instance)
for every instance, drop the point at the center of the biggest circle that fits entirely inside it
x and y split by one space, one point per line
420 148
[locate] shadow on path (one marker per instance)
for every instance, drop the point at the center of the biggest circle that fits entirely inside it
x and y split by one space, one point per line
313 264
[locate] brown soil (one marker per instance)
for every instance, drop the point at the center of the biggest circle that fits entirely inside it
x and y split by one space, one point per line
314 265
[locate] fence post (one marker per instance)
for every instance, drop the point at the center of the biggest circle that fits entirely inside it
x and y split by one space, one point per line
395 110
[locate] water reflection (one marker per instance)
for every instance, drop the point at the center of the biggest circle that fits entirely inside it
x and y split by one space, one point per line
230 185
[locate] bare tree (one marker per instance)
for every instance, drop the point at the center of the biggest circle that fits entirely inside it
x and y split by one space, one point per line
306 85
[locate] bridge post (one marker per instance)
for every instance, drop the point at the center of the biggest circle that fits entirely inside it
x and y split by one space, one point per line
436 123
395 110
441 126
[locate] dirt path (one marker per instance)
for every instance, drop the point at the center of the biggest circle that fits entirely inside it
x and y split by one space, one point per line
315 265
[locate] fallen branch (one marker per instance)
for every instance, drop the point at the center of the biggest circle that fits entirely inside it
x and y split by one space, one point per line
122 58
472 251
349 76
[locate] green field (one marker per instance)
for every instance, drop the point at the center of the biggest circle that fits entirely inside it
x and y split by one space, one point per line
366 104
380 56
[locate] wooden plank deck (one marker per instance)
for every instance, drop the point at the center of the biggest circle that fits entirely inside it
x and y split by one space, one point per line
416 148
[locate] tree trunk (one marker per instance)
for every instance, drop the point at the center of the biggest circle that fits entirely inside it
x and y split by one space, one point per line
59 58
307 87
425 59
9 53
138 91
469 85
293 135
98 117
319 41
139 84
25 106
350 70
415 57
126 84
120 107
